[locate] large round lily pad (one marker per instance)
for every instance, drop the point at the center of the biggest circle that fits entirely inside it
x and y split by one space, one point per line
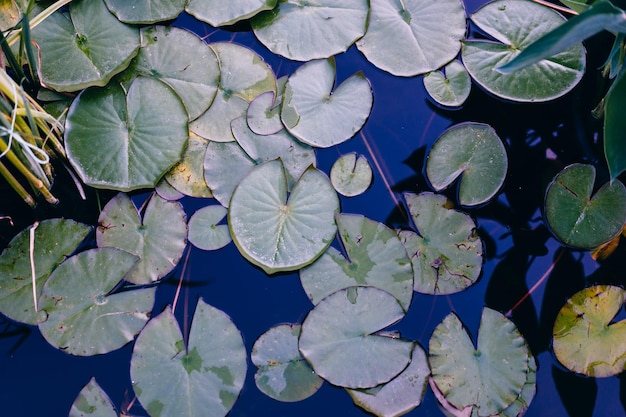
278 232
585 339
92 401
222 13
209 371
412 37
84 317
577 217
340 340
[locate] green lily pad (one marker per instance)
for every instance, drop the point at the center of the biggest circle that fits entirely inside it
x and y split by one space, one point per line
145 11
244 75
575 216
413 37
158 239
282 372
351 175
92 401
97 45
209 372
278 232
192 72
304 30
375 257
474 152
53 240
340 340
84 317
225 165
221 13
490 377
447 252
187 176
167 192
138 137
263 114
585 339
516 24
400 395
315 114
205 232
451 87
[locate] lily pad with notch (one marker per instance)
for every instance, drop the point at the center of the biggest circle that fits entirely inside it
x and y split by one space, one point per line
205 232
92 401
450 87
351 175
263 114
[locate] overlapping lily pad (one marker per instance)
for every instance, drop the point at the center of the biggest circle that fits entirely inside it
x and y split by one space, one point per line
447 252
84 316
187 176
222 13
209 371
351 175
407 38
225 164
92 401
278 232
263 114
158 239
451 87
315 114
145 11
585 338
205 232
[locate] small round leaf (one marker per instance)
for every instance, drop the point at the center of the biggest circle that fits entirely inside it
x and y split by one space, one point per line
350 175
205 232
451 87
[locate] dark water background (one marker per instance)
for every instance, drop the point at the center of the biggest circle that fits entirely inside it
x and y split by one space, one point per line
38 380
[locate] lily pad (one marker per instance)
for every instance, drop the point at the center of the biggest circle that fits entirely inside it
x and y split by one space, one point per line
52 241
340 340
205 232
244 76
278 232
490 377
575 216
412 37
146 11
158 239
447 252
474 152
400 395
138 137
221 13
304 30
209 372
187 176
375 257
92 401
315 114
97 45
515 24
167 192
450 87
585 339
225 165
85 316
351 175
283 373
263 114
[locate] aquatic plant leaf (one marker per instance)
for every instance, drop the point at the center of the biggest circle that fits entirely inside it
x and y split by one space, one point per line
278 232
92 401
205 232
244 75
575 216
202 378
339 338
10 14
187 176
447 253
374 257
303 31
614 127
400 395
146 11
450 87
85 316
351 175
225 165
490 377
515 24
221 13
53 241
318 116
192 72
126 142
283 374
410 37
167 192
158 239
89 37
474 152
263 114
585 339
